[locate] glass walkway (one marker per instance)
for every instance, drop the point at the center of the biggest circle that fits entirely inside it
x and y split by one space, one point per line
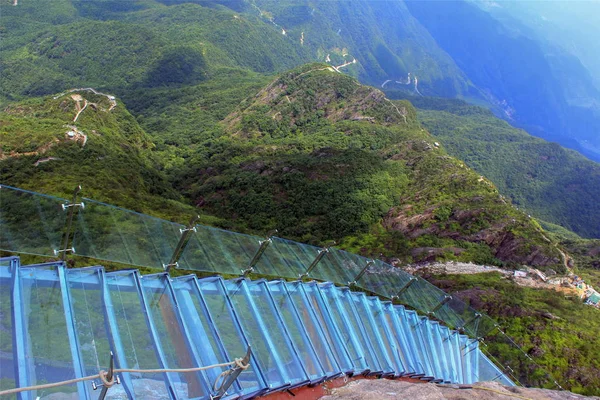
59 323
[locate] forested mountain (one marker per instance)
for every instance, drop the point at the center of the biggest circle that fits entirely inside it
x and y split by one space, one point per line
555 184
313 153
256 114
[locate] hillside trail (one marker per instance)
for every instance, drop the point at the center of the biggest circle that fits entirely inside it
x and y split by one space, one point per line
565 257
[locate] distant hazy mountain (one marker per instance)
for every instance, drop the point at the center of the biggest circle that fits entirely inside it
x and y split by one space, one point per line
535 64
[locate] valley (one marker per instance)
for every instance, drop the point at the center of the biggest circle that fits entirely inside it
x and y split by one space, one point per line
219 108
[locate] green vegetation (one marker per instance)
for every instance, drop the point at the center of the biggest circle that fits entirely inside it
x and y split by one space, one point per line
560 333
207 122
550 182
320 157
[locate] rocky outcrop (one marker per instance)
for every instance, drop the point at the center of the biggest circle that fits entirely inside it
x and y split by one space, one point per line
497 233
394 390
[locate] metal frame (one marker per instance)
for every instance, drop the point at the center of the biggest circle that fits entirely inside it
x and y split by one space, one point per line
263 246
67 234
339 348
235 320
183 241
314 330
370 327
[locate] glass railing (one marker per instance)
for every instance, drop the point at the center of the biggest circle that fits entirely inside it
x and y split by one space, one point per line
110 233
174 338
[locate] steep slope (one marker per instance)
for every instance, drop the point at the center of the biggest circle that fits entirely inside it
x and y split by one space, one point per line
537 84
548 181
147 47
319 156
82 137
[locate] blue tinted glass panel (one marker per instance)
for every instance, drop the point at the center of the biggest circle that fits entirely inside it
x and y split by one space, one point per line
8 358
398 337
373 340
170 338
348 327
51 352
86 293
296 330
449 341
380 323
201 330
314 329
327 320
440 350
231 334
138 349
258 335
421 346
277 334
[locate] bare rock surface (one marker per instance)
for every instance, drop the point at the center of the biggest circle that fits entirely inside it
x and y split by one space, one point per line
391 390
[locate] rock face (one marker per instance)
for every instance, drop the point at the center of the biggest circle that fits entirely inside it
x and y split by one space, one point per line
392 390
475 226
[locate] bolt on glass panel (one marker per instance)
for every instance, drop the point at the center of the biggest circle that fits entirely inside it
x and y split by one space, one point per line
296 330
202 254
51 353
228 252
170 337
454 313
383 279
336 268
326 318
285 258
111 233
138 346
422 296
43 216
480 327
232 335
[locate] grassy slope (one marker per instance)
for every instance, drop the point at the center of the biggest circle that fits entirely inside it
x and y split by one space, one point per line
115 164
552 183
319 157
568 346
